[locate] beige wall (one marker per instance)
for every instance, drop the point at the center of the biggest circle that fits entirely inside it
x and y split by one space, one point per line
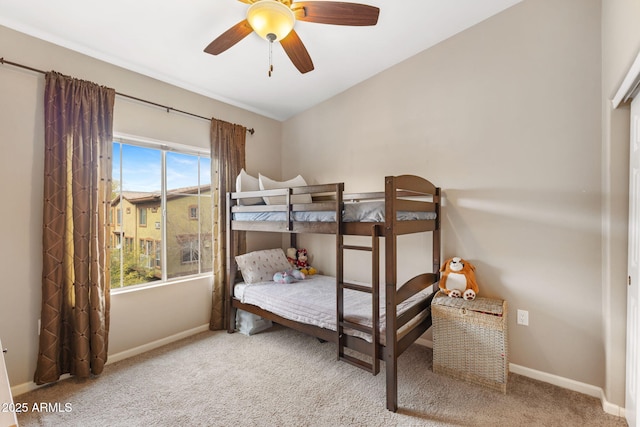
137 318
505 117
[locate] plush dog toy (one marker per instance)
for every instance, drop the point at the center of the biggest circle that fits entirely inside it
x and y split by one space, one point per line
459 279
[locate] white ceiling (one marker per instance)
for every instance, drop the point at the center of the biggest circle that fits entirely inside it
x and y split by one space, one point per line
164 39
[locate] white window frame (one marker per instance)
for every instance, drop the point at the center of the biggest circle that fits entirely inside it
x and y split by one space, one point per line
164 147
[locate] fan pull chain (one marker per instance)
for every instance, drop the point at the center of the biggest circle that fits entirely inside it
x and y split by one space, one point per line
270 58
271 37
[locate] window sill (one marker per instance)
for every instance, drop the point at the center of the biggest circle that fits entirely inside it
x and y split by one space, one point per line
159 284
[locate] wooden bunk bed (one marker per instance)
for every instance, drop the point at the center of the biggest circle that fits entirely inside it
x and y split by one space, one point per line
410 204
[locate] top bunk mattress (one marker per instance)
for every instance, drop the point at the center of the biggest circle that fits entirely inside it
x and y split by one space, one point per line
353 212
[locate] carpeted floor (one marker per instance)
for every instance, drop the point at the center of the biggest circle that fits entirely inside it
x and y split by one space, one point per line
282 378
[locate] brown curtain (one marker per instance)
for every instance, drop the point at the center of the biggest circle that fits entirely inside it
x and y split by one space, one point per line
227 159
77 186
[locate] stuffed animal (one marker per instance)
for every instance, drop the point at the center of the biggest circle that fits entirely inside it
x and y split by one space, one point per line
288 276
459 279
283 277
302 263
292 257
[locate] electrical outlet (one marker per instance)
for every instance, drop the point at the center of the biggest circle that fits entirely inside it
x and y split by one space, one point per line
523 317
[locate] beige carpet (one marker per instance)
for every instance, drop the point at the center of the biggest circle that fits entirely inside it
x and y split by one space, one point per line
283 378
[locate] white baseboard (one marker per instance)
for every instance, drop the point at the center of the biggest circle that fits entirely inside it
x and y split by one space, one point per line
155 344
112 358
29 386
589 390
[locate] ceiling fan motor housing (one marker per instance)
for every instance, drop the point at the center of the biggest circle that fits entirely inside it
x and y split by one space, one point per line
271 19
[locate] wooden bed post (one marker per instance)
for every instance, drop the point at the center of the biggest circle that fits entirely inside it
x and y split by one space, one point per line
391 344
435 247
339 268
230 270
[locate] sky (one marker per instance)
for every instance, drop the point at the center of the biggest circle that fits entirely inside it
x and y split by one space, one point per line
141 168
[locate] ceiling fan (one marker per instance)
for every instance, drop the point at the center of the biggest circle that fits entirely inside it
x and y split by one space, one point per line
274 20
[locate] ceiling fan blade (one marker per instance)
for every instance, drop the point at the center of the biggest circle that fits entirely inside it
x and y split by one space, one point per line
296 51
230 37
336 13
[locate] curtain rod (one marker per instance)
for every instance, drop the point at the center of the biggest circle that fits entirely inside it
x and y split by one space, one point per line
155 104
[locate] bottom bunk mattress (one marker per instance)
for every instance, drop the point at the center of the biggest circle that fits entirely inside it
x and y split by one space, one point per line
312 301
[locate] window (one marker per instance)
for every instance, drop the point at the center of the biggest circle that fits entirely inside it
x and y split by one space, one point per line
147 255
158 254
143 217
181 170
190 252
160 185
193 212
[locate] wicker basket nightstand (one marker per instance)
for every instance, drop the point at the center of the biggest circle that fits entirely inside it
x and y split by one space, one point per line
470 340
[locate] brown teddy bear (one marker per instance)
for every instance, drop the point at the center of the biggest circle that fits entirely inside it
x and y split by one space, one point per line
459 279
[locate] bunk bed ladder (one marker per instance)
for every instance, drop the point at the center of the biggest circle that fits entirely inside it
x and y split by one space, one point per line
374 290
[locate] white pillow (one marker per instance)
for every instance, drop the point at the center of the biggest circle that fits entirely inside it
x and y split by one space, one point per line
246 182
260 266
267 183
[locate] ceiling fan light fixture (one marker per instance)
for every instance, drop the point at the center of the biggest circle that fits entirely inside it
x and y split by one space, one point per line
271 17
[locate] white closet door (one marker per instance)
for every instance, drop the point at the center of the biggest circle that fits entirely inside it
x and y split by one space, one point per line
633 332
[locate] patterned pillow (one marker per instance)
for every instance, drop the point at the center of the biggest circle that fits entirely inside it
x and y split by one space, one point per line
267 183
260 266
